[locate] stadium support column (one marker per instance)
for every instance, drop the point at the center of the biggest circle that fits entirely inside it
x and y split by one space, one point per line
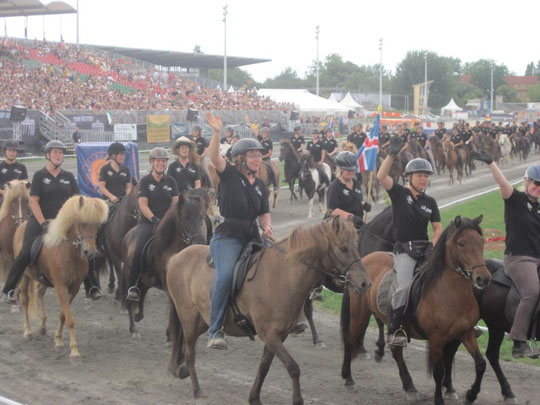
77 24
225 48
317 66
425 85
380 72
491 93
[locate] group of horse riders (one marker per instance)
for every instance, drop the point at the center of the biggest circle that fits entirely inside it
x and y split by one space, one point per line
243 201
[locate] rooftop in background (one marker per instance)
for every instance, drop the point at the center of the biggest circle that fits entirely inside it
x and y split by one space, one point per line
24 8
180 59
510 80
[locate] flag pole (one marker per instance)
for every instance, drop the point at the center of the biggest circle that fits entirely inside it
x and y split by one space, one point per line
370 183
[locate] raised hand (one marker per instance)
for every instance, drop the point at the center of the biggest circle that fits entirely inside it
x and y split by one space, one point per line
214 121
482 156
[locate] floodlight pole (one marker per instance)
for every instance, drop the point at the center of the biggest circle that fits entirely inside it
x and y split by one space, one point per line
317 66
425 84
491 93
380 71
77 24
225 11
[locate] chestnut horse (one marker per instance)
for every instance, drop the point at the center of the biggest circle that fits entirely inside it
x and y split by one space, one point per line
445 313
63 262
451 161
438 153
271 299
13 213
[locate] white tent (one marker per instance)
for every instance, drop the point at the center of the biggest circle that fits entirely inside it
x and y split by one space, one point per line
231 90
333 98
349 101
450 108
303 100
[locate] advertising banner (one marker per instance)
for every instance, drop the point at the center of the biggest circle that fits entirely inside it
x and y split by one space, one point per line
125 132
29 125
90 121
158 128
91 157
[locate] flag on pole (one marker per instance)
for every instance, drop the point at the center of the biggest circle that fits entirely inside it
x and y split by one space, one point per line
366 158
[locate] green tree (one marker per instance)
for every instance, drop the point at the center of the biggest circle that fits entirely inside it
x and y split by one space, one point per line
480 72
508 93
534 93
529 70
235 77
287 79
465 92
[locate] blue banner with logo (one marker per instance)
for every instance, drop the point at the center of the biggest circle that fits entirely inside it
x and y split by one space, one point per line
92 156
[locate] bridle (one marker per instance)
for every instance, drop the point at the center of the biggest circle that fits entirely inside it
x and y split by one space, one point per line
343 276
20 219
467 272
80 238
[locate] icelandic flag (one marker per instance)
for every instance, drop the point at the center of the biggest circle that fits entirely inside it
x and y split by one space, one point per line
366 158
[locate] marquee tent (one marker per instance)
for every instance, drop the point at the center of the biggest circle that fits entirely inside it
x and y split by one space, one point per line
349 101
450 108
303 100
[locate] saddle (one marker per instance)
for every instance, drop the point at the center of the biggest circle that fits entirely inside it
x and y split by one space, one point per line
249 257
499 276
35 250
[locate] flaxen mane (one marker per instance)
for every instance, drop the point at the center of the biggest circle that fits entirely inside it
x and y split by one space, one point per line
76 209
14 190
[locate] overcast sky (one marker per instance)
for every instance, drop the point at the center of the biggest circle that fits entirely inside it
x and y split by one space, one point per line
284 31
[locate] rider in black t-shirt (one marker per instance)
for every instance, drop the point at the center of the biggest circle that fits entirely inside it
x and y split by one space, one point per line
115 178
51 188
441 130
229 132
10 169
412 210
202 144
185 170
330 144
298 140
157 192
266 142
316 148
243 200
356 136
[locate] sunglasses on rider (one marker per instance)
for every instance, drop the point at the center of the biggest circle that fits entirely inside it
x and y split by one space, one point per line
536 183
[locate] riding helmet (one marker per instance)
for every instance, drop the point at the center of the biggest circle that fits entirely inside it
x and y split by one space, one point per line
229 129
297 128
346 160
12 144
116 148
182 141
418 165
533 172
158 153
55 144
315 131
244 145
196 128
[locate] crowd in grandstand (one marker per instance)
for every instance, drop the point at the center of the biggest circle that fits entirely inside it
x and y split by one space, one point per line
51 77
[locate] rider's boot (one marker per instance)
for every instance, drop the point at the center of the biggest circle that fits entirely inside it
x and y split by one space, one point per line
396 335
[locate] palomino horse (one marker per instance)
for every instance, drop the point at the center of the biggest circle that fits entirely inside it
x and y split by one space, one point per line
269 169
271 298
444 312
183 224
13 213
451 161
122 219
289 155
62 263
312 182
438 153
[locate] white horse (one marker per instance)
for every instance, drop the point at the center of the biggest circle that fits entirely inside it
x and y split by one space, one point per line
506 148
311 181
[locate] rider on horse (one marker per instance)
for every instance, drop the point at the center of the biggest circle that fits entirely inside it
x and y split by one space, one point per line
298 140
10 169
243 199
185 170
115 178
330 144
522 253
51 188
202 144
412 211
157 192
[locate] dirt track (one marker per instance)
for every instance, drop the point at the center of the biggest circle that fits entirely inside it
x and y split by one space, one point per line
117 369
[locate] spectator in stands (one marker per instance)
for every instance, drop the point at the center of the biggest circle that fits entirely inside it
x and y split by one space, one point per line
76 138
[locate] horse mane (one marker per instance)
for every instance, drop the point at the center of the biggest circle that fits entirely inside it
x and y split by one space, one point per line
286 141
434 267
310 160
77 208
16 189
347 145
309 244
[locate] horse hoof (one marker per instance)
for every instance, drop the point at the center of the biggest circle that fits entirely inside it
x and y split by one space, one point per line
378 358
75 360
138 317
123 311
59 348
364 356
320 345
350 383
15 309
135 335
413 396
182 372
167 344
510 401
27 336
43 331
111 290
452 396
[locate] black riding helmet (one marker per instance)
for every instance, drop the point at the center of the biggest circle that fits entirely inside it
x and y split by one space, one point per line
418 165
297 128
55 144
244 145
533 172
116 148
346 160
12 144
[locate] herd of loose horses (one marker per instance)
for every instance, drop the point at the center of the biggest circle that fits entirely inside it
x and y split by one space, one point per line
453 287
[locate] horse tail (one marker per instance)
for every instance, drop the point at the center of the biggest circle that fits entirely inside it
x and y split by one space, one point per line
177 340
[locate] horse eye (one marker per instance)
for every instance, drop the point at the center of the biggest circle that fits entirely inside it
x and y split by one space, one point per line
344 249
461 244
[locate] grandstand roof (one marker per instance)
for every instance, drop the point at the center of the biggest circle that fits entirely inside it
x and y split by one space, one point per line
181 59
24 8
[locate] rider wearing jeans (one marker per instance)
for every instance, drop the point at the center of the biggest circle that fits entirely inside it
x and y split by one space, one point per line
412 210
522 253
51 188
243 199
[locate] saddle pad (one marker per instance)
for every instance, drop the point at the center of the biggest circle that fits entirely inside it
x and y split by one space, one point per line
498 275
386 290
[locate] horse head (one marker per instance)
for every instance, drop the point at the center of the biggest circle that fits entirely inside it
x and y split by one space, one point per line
191 212
16 200
284 149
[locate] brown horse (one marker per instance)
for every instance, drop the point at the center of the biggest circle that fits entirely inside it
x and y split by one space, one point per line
438 153
271 298
63 263
451 161
444 312
268 169
182 225
291 158
13 213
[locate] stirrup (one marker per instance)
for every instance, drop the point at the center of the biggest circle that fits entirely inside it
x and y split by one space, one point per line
94 293
398 338
10 297
133 293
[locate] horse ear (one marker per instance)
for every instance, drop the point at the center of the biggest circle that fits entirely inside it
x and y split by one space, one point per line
336 223
81 201
478 219
28 184
457 221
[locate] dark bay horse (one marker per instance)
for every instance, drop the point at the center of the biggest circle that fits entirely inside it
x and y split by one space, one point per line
63 262
438 153
269 169
271 298
13 213
446 310
291 159
183 224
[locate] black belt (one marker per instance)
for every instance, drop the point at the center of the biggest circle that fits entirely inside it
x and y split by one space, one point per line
239 221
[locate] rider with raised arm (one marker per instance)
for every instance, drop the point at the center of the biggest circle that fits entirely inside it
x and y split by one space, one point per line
243 200
412 210
522 252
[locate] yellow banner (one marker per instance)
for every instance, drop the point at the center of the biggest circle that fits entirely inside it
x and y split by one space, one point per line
158 128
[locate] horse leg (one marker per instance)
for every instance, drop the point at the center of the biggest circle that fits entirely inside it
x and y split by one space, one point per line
112 279
310 204
140 314
496 337
308 311
379 353
449 352
43 313
24 287
479 365
436 359
321 200
132 328
191 335
59 343
264 366
406 379
65 299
